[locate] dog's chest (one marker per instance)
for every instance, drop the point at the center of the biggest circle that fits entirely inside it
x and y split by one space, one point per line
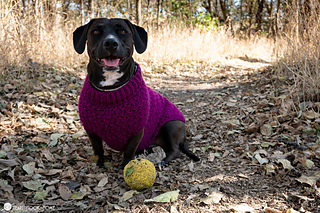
110 77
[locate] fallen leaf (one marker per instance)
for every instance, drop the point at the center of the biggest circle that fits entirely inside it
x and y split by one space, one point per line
94 158
71 107
40 195
34 185
267 144
197 137
68 174
190 100
3 183
253 127
128 195
274 124
309 131
270 168
203 186
54 171
206 147
211 157
73 184
173 209
260 159
103 182
29 167
233 122
81 193
308 180
303 105
271 210
285 163
227 152
306 162
78 195
191 166
54 139
311 115
64 192
38 139
219 113
301 197
266 130
179 103
129 170
213 198
49 156
165 197
4 164
242 208
3 153
107 165
78 134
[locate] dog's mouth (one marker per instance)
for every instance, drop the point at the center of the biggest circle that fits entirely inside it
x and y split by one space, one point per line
111 61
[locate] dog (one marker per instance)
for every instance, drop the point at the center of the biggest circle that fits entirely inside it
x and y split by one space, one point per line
115 105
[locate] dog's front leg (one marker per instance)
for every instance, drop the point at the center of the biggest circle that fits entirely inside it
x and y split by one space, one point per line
131 147
97 146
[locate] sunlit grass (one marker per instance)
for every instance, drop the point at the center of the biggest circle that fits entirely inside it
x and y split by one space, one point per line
33 37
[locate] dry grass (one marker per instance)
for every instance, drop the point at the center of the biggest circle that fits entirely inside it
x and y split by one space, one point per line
36 37
301 59
198 45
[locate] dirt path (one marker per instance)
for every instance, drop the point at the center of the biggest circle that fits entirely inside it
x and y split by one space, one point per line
257 150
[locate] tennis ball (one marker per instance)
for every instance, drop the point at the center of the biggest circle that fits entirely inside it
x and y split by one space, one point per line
139 174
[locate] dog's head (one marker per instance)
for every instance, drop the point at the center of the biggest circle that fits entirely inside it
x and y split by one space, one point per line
110 41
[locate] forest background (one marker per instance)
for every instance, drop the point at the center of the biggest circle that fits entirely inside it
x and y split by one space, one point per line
284 32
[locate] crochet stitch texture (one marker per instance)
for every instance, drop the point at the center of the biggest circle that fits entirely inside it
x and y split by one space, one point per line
117 115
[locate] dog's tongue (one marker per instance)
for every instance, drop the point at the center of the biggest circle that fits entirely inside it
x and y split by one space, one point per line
111 62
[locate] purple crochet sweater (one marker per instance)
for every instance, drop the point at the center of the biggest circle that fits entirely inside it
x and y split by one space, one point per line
117 115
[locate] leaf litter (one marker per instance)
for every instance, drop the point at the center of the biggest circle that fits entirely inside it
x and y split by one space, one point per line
259 147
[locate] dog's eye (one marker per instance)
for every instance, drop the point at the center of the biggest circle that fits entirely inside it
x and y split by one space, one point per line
96 32
122 32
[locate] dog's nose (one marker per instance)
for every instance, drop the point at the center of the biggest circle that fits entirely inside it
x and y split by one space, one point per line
111 44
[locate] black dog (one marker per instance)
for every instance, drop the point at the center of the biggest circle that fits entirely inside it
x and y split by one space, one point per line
115 105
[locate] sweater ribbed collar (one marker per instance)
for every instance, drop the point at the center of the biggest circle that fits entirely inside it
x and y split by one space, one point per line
112 97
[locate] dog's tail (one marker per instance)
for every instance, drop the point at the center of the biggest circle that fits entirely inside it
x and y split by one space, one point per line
185 149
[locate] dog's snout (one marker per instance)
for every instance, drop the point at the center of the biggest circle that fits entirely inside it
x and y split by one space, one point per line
111 44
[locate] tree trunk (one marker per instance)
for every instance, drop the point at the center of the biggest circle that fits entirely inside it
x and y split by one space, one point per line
138 12
224 10
259 14
270 27
91 9
277 18
81 12
241 15
158 12
250 13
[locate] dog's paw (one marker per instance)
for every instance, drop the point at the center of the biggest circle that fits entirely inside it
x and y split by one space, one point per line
100 162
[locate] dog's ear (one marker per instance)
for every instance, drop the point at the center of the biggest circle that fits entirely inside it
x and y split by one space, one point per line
140 37
80 37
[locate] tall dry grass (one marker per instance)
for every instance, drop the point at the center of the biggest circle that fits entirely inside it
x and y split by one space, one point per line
170 44
35 35
301 57
47 38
